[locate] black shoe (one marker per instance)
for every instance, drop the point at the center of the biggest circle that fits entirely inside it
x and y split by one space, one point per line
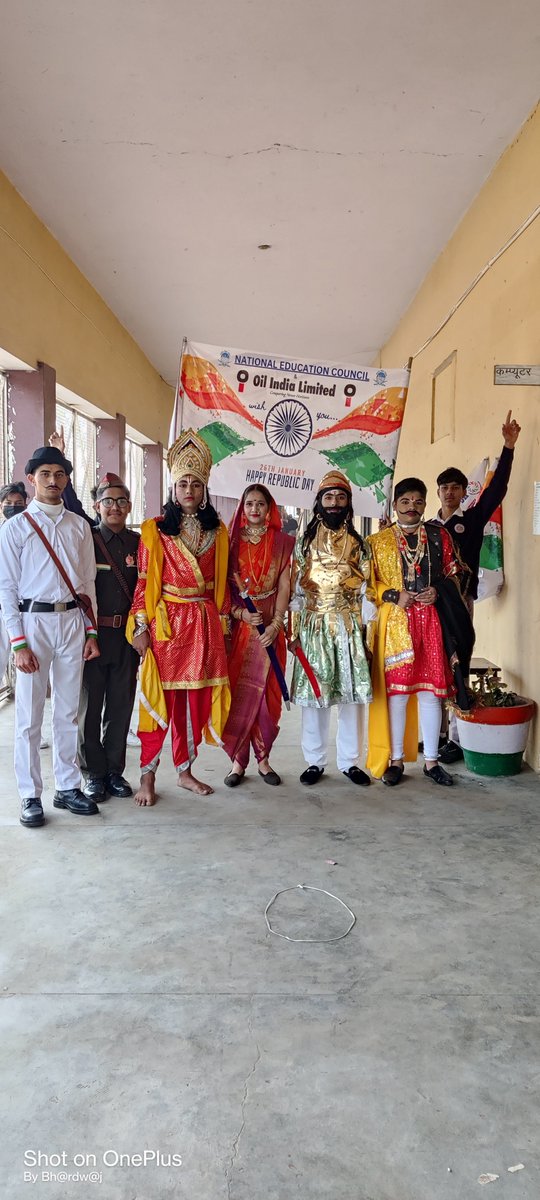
392 776
357 776
450 753
311 775
271 777
233 779
31 812
94 788
438 775
116 785
76 802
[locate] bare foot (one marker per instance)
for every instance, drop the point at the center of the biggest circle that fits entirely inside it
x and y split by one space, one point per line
146 794
187 780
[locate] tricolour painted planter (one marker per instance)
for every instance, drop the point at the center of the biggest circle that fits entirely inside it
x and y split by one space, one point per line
493 739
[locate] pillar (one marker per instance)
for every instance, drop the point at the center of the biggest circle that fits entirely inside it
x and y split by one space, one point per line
153 479
31 402
110 446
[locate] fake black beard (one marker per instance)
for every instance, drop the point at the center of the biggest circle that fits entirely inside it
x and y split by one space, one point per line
334 520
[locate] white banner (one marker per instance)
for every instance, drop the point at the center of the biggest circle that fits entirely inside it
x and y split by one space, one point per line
284 423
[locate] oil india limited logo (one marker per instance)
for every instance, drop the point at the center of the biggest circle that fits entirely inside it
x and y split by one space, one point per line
288 428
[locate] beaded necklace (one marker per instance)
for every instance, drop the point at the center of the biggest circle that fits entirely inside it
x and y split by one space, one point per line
256 575
413 558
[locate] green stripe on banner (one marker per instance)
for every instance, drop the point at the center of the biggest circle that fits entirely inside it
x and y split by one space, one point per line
493 764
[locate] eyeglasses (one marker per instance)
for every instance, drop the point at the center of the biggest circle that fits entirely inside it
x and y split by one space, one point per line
110 502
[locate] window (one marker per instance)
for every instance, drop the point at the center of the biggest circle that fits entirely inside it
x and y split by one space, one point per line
80 440
6 465
443 390
135 481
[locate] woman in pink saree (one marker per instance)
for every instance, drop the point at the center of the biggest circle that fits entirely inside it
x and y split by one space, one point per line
259 560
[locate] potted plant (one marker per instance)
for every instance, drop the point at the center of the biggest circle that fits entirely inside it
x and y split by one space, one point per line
493 734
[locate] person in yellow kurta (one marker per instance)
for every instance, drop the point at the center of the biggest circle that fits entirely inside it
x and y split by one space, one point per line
178 619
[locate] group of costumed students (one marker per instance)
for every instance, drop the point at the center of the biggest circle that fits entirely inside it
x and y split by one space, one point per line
382 621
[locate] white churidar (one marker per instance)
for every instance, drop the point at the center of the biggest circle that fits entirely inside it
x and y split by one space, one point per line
430 713
349 739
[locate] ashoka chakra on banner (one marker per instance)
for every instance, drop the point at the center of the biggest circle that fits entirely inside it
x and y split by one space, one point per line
288 428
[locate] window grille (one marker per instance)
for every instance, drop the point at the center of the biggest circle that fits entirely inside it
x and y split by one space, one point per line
135 481
80 441
5 465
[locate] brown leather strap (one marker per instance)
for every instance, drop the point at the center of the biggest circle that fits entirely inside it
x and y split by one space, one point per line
114 566
118 621
82 601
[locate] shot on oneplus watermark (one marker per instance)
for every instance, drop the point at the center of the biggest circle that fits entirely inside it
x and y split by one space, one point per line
62 1166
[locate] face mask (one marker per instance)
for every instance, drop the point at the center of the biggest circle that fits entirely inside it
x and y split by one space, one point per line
12 510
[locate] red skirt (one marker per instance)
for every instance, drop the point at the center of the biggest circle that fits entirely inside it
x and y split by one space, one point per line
430 670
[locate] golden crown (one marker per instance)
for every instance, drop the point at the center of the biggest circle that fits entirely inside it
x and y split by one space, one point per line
189 455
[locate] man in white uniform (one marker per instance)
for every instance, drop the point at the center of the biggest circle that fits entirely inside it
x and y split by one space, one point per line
48 632
13 497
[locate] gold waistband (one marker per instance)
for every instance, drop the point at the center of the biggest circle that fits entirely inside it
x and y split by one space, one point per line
186 596
262 595
333 603
171 590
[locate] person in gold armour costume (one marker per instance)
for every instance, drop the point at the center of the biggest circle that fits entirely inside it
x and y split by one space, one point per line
331 580
178 619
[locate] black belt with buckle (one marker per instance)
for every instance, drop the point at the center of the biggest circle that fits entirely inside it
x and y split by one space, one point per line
40 606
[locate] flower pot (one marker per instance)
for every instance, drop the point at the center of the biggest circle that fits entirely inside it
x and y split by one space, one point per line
493 739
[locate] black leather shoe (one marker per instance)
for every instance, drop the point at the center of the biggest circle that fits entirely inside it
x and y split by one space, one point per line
233 779
271 777
357 776
438 775
450 753
31 813
94 788
76 802
392 776
116 785
311 775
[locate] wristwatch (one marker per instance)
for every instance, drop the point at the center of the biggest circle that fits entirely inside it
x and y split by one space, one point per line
391 596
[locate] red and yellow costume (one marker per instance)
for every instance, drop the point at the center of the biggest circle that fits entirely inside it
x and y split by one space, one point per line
256 695
409 654
183 597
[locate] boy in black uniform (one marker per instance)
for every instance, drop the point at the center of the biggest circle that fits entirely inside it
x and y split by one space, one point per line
467 530
108 693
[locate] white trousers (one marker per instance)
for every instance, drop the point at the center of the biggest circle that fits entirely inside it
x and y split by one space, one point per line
430 713
349 739
5 649
57 640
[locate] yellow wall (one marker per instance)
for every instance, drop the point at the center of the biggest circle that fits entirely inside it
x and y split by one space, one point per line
498 323
50 313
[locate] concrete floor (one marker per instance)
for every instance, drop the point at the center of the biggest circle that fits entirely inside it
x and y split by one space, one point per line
146 1007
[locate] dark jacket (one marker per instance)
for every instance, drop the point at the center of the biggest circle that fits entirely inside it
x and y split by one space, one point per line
467 529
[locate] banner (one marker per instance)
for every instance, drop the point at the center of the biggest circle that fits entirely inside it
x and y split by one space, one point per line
284 423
